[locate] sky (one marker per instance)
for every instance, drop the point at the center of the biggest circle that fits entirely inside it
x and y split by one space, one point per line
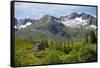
37 10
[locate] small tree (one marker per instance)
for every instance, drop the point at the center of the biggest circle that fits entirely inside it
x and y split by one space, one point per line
86 40
92 37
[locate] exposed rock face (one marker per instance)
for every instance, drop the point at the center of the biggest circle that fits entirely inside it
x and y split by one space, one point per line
58 28
75 20
21 23
73 15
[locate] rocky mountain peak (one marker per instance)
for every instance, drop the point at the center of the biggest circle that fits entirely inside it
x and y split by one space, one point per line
73 15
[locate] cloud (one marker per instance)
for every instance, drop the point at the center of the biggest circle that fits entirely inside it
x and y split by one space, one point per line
35 10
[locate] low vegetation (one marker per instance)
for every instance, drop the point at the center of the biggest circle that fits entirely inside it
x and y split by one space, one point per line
55 52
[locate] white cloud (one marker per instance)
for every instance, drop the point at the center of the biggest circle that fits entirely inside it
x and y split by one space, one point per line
37 10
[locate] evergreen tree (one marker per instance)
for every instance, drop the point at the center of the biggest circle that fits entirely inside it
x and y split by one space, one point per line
86 40
92 37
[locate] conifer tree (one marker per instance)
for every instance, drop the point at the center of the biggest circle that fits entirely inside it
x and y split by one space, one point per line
92 37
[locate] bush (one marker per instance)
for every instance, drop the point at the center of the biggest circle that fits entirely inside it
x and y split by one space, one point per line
86 40
70 58
40 54
86 55
52 58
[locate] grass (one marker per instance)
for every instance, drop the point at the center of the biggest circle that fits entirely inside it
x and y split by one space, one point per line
57 52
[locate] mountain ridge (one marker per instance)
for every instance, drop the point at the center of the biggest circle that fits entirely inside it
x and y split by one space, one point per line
56 28
90 19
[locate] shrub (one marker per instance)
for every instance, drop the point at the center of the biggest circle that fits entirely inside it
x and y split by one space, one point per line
52 58
86 55
70 58
86 39
40 54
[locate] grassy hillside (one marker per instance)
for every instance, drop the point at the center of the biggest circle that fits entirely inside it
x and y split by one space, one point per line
55 52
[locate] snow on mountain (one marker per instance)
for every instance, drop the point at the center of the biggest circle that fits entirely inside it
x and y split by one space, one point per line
15 27
23 26
82 19
74 20
91 27
77 22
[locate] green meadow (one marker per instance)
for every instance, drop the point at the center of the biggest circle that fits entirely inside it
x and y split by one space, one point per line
55 52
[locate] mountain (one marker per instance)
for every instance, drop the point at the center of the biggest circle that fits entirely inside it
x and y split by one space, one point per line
71 27
46 27
78 20
22 23
53 25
